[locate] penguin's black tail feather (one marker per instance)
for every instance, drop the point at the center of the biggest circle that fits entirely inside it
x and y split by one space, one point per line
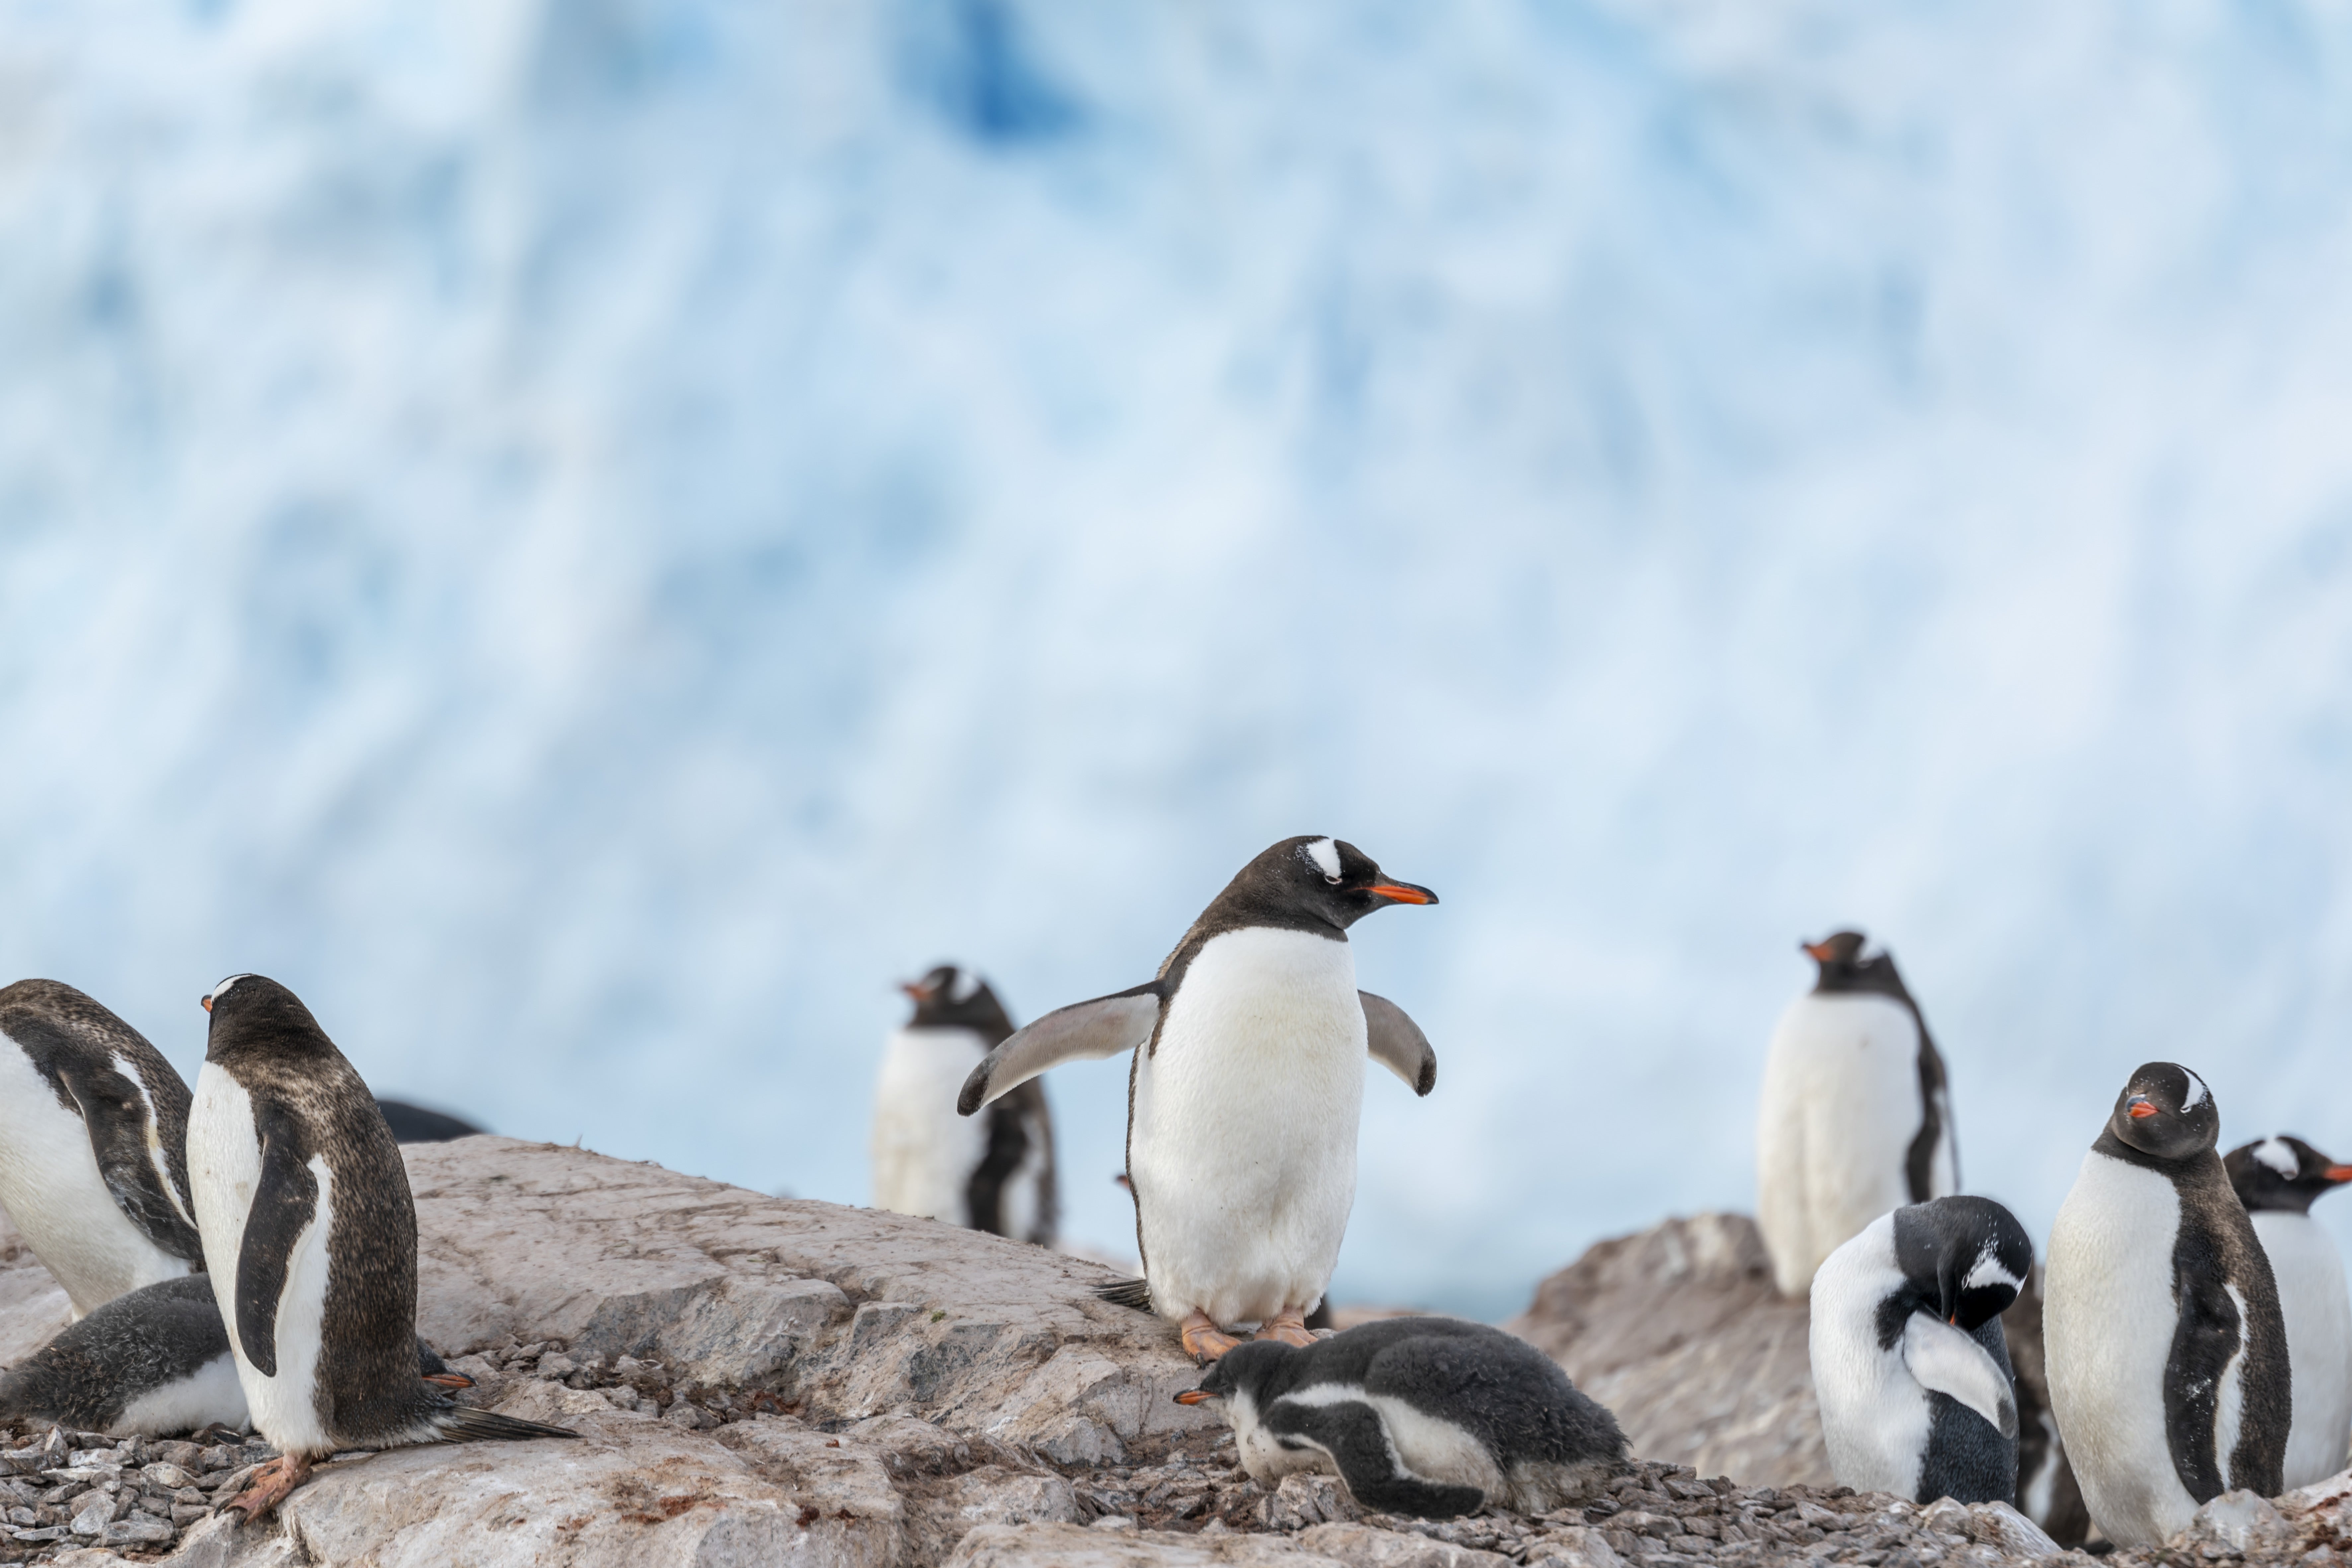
1135 1293
463 1424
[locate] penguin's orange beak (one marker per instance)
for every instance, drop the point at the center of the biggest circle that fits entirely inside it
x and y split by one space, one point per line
1401 893
914 988
1819 952
2339 1173
449 1379
206 1001
1195 1396
2140 1108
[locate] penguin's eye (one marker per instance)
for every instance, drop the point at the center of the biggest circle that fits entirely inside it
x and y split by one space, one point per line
1333 880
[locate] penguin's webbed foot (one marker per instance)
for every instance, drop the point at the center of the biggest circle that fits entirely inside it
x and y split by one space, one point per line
1204 1341
1289 1327
270 1485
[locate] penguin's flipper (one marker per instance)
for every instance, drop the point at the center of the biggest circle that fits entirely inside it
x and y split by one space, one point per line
1350 1430
1942 1358
130 1160
1083 1031
285 1202
1398 1042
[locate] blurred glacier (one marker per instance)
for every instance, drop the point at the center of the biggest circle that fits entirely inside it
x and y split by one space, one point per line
590 538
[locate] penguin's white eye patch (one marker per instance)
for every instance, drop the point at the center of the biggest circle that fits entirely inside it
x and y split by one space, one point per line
2198 1094
1323 854
964 988
1988 1270
2273 1153
221 990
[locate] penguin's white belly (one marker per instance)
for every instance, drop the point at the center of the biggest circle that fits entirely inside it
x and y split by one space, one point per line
1243 1143
55 1193
224 1172
1834 1125
2319 1312
2108 1320
1876 1418
214 1393
924 1154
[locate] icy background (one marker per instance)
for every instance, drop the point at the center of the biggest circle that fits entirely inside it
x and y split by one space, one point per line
591 538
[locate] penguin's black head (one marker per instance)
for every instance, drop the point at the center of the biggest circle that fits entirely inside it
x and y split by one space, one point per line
952 998
1324 880
1846 967
1966 1259
2166 1110
248 1007
1243 1369
2281 1173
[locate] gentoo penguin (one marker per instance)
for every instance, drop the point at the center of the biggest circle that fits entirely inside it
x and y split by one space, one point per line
1910 1365
2276 1179
93 1124
993 1173
1854 1118
1429 1416
154 1360
2167 1355
310 1238
416 1124
1245 1093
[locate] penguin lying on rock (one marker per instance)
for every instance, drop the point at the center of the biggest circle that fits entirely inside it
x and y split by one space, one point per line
1246 1091
2277 1179
1428 1416
310 1242
2167 1354
155 1361
1909 1362
93 1124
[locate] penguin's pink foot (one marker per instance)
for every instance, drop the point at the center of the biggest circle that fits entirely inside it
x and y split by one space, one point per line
1204 1341
270 1485
1289 1327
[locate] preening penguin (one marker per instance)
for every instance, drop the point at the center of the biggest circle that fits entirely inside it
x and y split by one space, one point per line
994 1172
1854 1119
310 1237
1246 1090
93 1128
1910 1364
2277 1179
2167 1352
1429 1417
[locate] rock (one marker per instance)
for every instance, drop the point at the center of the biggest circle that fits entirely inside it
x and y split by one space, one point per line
1073 1546
2239 1520
2008 1531
851 1313
1366 1547
1304 1499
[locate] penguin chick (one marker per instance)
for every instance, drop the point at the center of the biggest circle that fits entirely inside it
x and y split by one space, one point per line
154 1361
1246 1090
1909 1362
2277 1179
1854 1118
93 1128
992 1173
2167 1350
310 1235
1428 1416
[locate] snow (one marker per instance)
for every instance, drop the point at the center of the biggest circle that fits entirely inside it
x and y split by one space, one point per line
590 539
